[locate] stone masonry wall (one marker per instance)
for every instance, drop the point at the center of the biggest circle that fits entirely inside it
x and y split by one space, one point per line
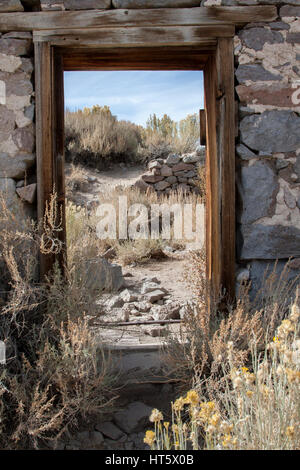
175 173
268 146
267 62
17 133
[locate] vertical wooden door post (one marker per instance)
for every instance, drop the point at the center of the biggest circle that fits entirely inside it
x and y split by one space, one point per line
220 169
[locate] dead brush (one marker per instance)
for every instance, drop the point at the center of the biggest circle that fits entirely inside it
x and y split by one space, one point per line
199 354
143 249
56 372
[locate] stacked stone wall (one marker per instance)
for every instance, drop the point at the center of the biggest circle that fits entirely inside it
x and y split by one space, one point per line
175 173
17 130
267 71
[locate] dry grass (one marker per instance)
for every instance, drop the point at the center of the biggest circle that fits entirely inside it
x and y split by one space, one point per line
257 407
55 372
93 138
81 227
200 352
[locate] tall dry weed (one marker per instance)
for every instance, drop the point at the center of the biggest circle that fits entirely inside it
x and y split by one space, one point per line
56 372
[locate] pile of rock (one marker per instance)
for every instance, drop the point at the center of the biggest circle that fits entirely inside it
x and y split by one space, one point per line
175 173
144 301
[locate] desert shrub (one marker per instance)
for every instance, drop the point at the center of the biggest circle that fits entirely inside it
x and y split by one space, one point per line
257 407
55 373
163 136
82 224
94 136
200 351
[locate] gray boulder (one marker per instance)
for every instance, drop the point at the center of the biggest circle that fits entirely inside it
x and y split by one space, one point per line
134 418
272 131
101 275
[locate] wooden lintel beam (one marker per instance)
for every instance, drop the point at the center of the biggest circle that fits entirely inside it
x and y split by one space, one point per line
200 16
162 58
127 37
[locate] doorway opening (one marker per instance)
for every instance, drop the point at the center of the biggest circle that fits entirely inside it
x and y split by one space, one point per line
215 58
135 196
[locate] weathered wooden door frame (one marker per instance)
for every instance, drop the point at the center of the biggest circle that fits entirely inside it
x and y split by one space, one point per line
52 57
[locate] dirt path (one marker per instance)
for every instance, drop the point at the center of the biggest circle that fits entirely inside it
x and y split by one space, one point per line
170 272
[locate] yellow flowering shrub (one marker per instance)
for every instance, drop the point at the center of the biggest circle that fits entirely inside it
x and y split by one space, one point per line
258 408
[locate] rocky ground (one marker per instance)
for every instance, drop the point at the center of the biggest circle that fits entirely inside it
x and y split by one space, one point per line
125 427
145 296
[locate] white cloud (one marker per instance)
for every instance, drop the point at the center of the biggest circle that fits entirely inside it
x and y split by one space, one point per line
135 95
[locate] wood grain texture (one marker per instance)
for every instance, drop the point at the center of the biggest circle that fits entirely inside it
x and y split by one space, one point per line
220 169
143 36
226 149
132 18
162 58
213 195
59 150
44 137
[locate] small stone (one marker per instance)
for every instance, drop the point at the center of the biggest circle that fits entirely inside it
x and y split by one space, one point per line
173 159
191 158
255 38
268 131
242 275
109 430
142 185
161 185
150 287
289 199
150 178
154 279
281 163
154 164
173 311
115 302
24 139
166 171
16 47
128 296
183 167
171 179
143 306
133 418
191 174
27 193
254 72
9 63
155 295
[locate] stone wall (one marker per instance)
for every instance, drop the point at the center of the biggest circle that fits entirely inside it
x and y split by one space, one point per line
175 173
267 147
17 133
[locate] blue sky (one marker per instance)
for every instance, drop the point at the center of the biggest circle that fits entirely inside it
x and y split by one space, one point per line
135 95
